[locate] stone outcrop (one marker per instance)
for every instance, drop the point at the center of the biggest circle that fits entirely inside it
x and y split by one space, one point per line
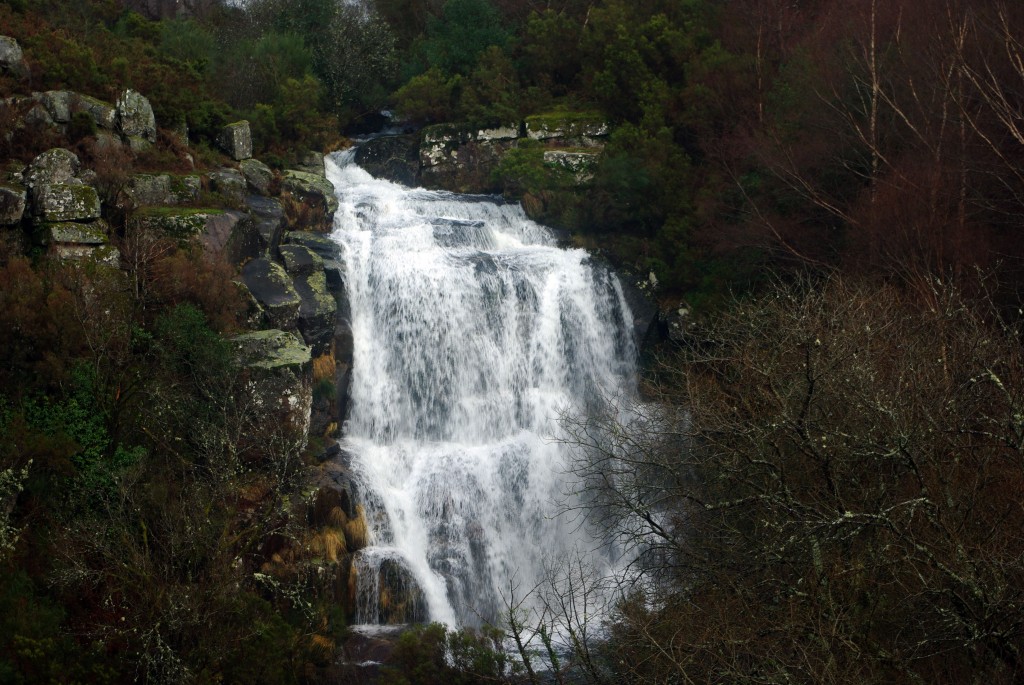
280 376
312 163
102 113
53 166
76 241
181 224
569 129
273 291
236 140
12 59
313 190
449 152
66 202
579 164
135 119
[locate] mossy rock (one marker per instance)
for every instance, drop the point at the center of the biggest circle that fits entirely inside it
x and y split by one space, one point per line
70 232
314 189
181 223
66 202
274 291
566 125
272 350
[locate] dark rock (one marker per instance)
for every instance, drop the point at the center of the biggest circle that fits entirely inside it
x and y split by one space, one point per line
232 234
268 214
12 204
395 158
57 104
300 260
312 163
103 113
185 189
321 244
643 308
273 291
317 311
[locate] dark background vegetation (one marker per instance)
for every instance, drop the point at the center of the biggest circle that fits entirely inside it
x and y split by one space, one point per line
834 188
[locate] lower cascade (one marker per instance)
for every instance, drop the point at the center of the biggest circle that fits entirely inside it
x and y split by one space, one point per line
473 331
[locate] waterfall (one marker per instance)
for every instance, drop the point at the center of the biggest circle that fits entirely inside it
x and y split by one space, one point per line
472 331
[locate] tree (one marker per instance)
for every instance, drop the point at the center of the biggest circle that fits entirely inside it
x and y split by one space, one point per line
823 492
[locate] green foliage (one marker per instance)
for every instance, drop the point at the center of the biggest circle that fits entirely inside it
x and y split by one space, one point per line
434 655
464 30
428 97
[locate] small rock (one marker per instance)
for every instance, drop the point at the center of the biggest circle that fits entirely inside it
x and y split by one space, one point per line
236 140
257 174
135 118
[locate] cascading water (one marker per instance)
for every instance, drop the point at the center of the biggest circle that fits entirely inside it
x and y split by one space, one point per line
472 331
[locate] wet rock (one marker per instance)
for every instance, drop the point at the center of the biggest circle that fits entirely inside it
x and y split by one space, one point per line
135 119
300 260
318 309
330 252
395 158
268 215
642 306
230 184
314 190
257 174
236 140
273 291
66 202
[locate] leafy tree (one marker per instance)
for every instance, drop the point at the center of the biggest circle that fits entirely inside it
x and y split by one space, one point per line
465 28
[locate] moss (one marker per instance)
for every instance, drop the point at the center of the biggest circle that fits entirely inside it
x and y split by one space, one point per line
272 349
163 211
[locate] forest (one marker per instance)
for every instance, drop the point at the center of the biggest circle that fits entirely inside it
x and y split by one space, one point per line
821 480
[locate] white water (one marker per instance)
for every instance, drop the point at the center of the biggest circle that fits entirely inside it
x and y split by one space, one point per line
472 331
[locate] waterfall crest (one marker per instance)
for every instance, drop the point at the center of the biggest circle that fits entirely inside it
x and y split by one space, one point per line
472 330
